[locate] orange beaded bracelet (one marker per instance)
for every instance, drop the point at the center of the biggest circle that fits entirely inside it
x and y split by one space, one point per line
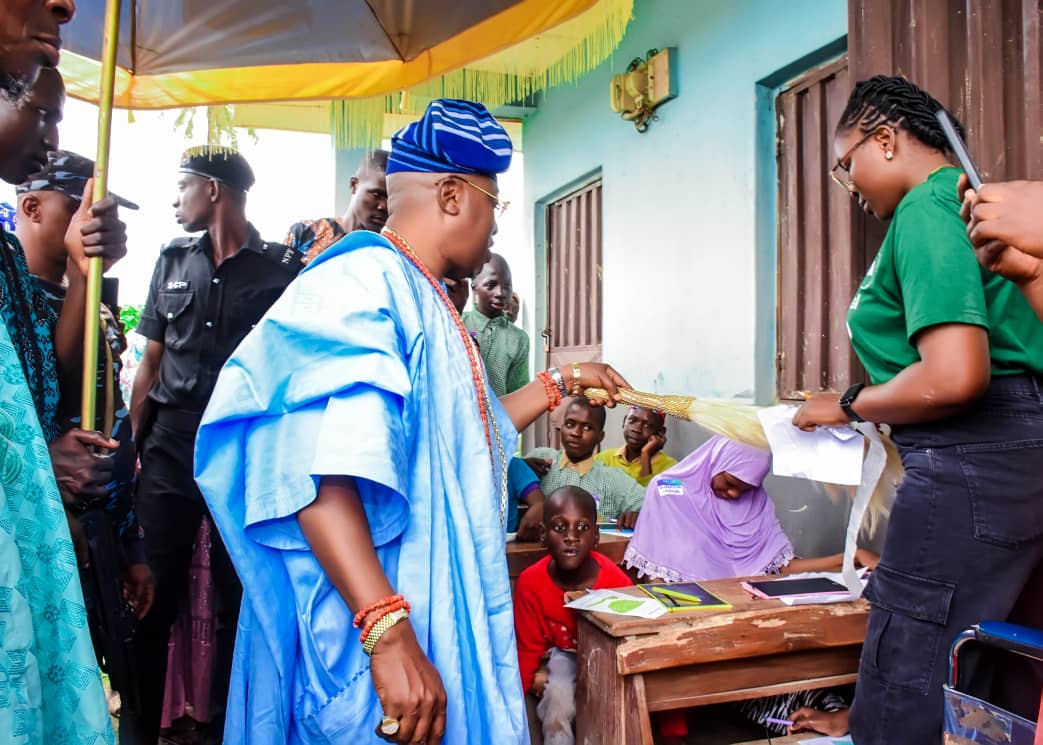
382 603
380 613
381 627
551 389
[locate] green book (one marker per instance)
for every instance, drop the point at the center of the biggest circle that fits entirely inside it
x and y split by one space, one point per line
682 596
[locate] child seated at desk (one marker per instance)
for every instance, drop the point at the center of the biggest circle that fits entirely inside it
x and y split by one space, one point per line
544 625
523 485
641 456
581 433
709 517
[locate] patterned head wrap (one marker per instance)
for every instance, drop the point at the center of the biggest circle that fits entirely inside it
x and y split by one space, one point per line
453 136
66 172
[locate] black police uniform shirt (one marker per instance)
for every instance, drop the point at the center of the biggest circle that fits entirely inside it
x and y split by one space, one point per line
201 313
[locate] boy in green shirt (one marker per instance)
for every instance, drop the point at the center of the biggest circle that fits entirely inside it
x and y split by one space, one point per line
575 465
504 346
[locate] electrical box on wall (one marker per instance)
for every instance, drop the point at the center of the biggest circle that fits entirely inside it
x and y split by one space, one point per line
646 85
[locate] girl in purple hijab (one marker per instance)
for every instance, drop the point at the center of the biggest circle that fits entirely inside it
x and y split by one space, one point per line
708 517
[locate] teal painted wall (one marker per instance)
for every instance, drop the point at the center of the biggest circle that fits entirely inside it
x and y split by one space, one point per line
680 209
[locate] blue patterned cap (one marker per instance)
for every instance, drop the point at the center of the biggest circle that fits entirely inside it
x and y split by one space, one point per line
7 217
66 172
453 136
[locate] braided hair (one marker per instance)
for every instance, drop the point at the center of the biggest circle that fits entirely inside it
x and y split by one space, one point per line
893 100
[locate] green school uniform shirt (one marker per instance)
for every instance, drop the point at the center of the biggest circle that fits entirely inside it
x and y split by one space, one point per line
618 492
504 348
926 274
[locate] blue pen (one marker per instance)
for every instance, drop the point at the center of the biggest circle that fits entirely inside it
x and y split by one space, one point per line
781 722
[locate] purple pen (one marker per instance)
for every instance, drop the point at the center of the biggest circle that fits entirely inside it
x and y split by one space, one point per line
781 722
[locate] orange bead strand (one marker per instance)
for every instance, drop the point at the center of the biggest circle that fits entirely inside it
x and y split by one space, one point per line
382 603
380 613
477 366
551 389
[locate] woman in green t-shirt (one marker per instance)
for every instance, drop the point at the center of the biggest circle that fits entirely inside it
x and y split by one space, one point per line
955 358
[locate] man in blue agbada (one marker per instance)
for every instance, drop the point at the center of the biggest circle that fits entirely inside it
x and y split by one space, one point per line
352 453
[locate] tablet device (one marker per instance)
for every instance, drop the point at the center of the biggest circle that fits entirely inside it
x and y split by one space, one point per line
781 588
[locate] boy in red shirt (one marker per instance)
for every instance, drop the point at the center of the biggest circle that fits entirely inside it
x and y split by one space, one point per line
542 623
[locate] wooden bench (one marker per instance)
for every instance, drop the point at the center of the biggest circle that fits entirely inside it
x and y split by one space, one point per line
629 667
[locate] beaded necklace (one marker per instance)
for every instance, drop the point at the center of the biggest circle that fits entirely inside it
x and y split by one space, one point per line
477 367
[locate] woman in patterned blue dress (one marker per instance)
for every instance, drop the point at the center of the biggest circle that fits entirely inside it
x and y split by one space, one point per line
50 690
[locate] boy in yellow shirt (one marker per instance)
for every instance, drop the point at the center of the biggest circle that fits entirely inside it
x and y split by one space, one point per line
641 456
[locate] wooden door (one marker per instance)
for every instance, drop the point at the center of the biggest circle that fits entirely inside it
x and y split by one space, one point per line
574 289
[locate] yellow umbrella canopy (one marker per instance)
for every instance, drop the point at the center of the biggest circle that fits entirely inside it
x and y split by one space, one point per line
370 57
362 54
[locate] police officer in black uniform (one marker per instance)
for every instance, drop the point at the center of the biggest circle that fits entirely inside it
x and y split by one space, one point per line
207 292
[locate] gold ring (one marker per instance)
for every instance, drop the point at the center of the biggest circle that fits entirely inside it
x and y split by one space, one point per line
389 726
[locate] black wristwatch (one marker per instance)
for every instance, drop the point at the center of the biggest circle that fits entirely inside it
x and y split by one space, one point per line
849 398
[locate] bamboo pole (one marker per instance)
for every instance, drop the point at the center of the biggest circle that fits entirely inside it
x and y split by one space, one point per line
101 177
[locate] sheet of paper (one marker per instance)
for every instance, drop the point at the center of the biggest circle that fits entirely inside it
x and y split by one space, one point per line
795 600
610 601
845 740
832 455
872 469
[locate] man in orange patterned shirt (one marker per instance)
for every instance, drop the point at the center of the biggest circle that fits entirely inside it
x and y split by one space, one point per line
367 210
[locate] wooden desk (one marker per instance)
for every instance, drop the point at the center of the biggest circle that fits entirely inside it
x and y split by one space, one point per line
520 556
628 667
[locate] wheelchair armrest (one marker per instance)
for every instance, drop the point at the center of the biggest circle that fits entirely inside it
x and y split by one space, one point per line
1011 637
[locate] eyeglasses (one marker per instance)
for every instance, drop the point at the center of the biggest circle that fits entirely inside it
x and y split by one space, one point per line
846 181
501 206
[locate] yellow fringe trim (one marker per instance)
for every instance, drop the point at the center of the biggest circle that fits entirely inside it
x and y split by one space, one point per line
507 77
222 138
511 75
